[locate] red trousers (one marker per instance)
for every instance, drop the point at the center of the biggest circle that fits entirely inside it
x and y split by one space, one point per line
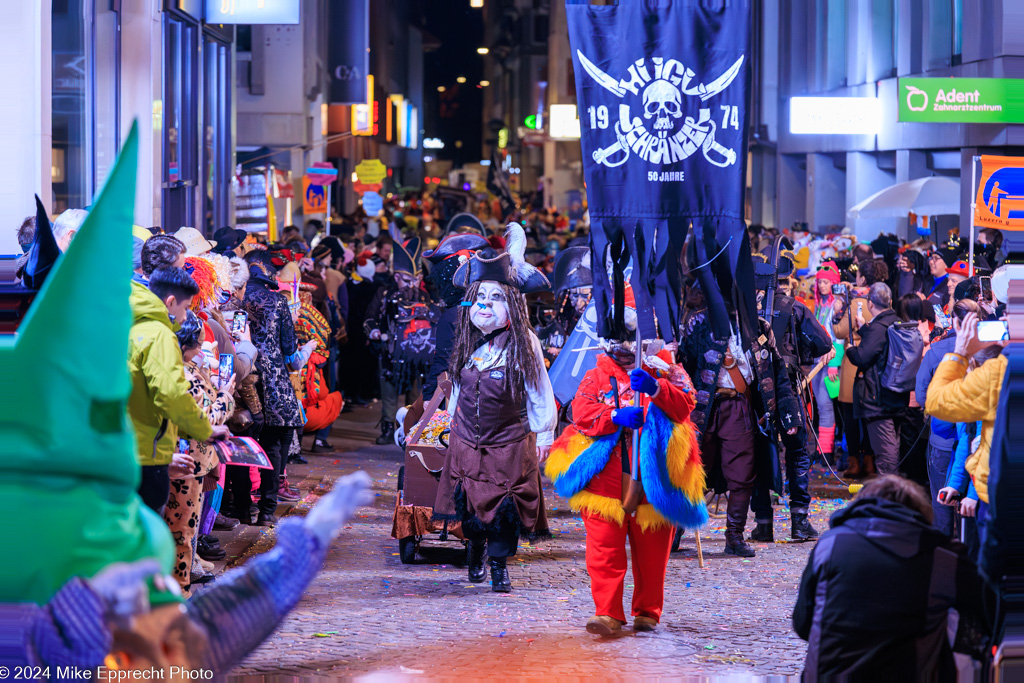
606 564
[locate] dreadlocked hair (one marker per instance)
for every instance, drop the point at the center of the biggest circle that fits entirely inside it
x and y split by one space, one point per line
521 363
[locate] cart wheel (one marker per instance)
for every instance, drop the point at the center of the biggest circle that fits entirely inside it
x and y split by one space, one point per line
401 478
407 549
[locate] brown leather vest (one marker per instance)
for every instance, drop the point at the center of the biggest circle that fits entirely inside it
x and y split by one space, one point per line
487 413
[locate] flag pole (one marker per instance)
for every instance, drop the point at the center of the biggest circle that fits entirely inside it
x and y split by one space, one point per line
974 203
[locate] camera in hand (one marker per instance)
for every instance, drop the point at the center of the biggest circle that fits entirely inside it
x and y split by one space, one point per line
840 289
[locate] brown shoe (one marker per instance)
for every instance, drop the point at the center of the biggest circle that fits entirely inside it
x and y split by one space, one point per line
601 625
869 465
853 468
642 623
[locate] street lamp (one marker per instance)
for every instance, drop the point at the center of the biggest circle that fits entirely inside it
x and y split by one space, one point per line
460 79
476 3
440 88
484 84
482 50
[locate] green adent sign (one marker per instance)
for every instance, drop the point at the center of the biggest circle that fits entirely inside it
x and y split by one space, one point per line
961 100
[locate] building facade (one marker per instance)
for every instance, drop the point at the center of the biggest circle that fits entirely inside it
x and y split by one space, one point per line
861 48
88 70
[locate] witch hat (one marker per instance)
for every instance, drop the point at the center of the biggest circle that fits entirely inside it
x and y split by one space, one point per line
406 257
44 251
67 450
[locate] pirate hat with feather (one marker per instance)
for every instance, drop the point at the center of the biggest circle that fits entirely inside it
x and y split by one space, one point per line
507 268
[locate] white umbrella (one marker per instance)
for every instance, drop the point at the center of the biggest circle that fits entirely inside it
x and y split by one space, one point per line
935 196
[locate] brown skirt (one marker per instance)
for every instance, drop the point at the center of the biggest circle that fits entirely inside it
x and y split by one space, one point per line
486 477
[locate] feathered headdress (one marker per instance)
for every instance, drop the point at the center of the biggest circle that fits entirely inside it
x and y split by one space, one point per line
205 275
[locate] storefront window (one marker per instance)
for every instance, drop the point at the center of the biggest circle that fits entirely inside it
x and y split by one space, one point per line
958 29
70 108
86 45
216 133
830 44
940 35
883 40
181 142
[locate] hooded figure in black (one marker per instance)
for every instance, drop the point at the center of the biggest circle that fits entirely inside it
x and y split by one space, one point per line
800 340
573 286
400 324
884 546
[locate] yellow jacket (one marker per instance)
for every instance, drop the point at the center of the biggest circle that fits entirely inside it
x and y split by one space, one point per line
954 397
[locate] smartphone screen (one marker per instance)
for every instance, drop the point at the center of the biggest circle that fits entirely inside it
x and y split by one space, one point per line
986 288
860 308
227 367
183 445
238 323
992 331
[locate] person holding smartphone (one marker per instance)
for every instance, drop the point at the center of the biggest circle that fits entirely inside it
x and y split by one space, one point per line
198 458
956 395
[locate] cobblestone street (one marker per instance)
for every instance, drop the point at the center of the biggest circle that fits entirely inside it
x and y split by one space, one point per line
368 615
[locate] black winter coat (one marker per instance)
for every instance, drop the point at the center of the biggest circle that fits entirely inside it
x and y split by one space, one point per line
870 398
875 595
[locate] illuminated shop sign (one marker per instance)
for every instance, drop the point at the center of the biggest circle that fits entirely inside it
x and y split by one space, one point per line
252 11
564 124
961 100
834 116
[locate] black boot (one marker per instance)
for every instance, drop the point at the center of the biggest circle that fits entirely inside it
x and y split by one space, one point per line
736 520
763 533
500 583
321 446
677 538
802 529
475 560
387 433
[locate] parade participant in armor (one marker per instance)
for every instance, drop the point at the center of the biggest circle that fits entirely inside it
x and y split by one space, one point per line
452 252
573 285
592 459
743 393
503 412
401 321
800 340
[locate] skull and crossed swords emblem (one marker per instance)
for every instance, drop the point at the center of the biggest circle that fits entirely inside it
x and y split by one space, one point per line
671 137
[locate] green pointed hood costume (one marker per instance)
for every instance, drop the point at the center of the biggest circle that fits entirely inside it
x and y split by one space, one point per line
68 470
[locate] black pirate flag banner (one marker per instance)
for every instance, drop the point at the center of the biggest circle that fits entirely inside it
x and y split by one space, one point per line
662 89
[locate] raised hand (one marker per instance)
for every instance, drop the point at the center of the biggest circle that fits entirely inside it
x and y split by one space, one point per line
330 514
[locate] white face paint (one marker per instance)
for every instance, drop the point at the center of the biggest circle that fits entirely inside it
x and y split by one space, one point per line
490 310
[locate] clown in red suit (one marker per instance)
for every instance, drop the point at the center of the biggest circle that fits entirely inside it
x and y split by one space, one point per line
589 467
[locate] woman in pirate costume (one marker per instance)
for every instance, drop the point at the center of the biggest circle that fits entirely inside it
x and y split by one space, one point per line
503 415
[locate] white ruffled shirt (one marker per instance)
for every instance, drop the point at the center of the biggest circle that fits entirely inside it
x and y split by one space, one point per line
541 410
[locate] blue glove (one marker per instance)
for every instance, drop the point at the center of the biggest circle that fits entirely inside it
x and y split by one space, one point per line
630 417
640 380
